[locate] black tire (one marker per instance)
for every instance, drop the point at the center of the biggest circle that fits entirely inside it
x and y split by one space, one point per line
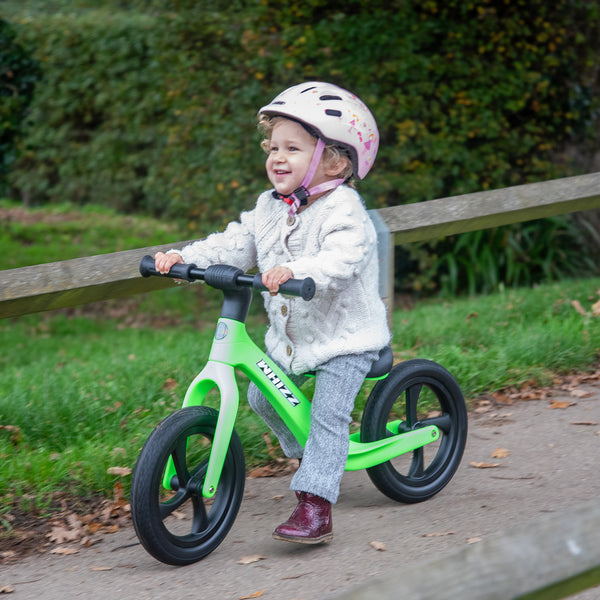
180 527
421 393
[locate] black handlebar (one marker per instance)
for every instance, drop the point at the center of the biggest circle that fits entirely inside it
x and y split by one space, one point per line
225 277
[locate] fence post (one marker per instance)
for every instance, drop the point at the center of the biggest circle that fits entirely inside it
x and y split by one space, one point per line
385 253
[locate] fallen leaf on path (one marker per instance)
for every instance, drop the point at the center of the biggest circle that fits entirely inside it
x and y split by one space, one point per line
473 540
484 465
500 453
64 551
255 595
584 423
560 404
380 546
438 534
247 560
6 589
580 393
101 569
295 576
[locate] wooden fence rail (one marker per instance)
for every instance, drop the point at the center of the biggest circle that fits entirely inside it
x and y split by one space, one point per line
94 278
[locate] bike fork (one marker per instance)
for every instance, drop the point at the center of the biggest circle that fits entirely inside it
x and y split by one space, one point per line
222 376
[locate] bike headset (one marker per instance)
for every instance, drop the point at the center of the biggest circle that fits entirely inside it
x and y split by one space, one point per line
334 116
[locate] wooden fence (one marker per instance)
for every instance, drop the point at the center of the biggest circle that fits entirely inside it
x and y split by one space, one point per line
549 559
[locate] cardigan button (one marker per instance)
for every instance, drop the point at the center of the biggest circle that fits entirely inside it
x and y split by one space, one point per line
284 310
291 221
288 350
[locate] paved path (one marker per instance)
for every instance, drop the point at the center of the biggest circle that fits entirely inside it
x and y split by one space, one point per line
552 465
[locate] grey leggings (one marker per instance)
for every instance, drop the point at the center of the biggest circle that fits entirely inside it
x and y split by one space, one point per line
337 383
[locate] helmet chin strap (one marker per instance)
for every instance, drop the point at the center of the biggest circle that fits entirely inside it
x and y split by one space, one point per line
299 196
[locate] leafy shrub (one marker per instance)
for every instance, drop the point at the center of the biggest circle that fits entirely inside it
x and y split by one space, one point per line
487 260
18 74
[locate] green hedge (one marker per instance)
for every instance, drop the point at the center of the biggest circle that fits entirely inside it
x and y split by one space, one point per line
153 109
19 73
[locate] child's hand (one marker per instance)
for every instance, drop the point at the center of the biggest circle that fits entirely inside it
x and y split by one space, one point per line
274 277
164 262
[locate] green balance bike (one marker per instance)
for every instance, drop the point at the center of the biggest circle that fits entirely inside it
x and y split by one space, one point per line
188 481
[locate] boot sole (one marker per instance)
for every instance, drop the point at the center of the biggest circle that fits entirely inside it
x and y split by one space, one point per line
302 540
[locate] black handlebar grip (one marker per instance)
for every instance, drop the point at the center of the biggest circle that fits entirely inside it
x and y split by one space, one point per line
305 288
177 271
147 266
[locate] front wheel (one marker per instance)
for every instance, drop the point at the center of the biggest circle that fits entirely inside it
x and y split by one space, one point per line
416 393
178 526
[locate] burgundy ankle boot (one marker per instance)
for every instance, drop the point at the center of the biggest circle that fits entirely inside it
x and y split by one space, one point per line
310 523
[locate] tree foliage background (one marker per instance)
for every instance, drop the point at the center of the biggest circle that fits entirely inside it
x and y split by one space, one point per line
150 106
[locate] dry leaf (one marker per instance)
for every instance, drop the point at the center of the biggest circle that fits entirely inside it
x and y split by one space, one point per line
64 551
577 306
578 393
101 569
473 540
62 534
592 423
380 546
560 404
247 560
120 471
6 589
255 595
500 453
169 384
438 534
15 433
484 465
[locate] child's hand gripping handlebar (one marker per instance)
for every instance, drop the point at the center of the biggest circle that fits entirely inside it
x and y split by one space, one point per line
225 277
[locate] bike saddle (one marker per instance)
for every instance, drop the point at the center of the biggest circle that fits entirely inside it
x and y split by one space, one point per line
383 365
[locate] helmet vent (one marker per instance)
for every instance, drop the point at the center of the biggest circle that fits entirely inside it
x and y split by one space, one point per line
329 97
278 102
308 89
333 113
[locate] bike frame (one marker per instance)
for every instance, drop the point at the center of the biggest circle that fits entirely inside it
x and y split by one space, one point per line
232 349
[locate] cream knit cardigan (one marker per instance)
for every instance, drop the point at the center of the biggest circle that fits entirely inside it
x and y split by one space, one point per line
334 242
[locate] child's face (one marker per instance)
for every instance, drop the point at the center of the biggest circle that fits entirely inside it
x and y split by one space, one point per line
291 148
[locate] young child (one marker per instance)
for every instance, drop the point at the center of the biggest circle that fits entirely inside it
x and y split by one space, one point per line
312 224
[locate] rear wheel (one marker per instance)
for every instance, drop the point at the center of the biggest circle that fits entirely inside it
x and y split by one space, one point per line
416 393
178 526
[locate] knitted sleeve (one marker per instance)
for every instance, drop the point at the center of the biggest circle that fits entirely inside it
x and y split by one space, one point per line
234 246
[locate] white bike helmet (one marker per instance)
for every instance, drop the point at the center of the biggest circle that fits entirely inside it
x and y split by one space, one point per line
337 117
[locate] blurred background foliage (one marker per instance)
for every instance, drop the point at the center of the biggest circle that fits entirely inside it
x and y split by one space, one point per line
149 107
